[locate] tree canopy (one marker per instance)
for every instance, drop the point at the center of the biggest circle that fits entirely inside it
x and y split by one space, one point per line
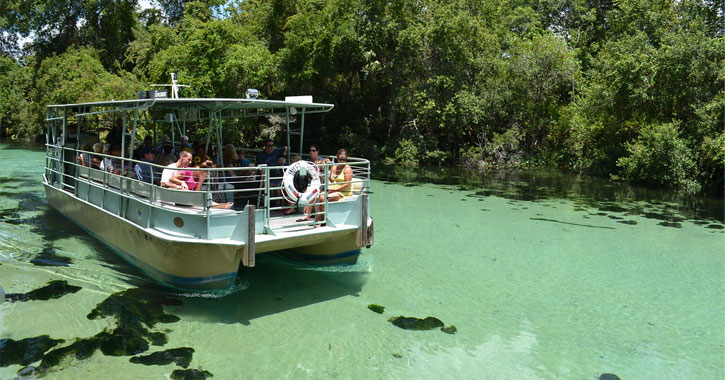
628 89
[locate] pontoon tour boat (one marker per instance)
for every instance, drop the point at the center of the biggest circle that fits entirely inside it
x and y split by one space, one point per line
179 237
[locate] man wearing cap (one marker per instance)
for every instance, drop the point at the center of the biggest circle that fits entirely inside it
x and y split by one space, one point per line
144 171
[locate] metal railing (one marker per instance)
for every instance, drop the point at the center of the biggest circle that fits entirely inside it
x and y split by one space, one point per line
260 186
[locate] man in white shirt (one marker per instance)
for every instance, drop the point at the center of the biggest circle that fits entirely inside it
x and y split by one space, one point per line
169 177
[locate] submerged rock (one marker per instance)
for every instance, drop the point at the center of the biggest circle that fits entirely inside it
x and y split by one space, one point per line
54 289
630 222
449 330
609 376
25 351
190 374
376 308
180 356
413 323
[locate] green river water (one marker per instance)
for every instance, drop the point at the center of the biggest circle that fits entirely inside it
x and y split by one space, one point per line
543 275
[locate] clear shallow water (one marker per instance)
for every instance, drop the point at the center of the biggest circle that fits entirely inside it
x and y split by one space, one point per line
536 270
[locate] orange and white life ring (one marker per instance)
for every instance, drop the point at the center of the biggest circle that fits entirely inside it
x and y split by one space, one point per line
298 175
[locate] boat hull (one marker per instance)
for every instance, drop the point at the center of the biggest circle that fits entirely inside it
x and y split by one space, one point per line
186 265
194 263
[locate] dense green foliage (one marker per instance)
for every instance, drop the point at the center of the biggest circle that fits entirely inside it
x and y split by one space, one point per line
629 89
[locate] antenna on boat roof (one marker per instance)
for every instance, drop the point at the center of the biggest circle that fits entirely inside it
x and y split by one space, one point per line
174 86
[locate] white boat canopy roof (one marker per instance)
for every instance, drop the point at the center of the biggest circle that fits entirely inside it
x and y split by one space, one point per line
197 109
207 104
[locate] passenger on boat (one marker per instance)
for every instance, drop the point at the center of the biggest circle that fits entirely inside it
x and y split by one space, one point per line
95 159
85 158
165 141
316 159
113 165
147 144
96 162
269 155
166 156
115 135
341 177
170 176
242 162
275 181
230 161
144 171
195 181
184 144
200 154
340 182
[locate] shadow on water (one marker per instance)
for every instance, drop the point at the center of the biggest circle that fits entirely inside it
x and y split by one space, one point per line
273 286
586 192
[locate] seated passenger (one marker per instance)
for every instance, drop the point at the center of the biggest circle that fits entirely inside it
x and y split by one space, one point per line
200 155
184 144
242 162
275 181
340 180
96 162
114 164
165 140
144 171
170 177
269 155
106 161
230 161
85 158
194 180
166 156
317 160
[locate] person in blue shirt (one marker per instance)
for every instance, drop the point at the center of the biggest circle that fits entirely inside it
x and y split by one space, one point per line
269 155
144 171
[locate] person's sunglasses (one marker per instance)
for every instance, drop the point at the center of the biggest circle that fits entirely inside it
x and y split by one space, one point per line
313 150
270 144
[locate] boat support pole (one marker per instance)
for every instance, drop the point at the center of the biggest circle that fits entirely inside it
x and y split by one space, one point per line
249 257
364 231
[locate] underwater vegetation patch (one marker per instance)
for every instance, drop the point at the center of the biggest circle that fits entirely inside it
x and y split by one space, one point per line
715 227
376 308
417 324
413 323
25 351
135 311
54 289
181 356
190 374
670 224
